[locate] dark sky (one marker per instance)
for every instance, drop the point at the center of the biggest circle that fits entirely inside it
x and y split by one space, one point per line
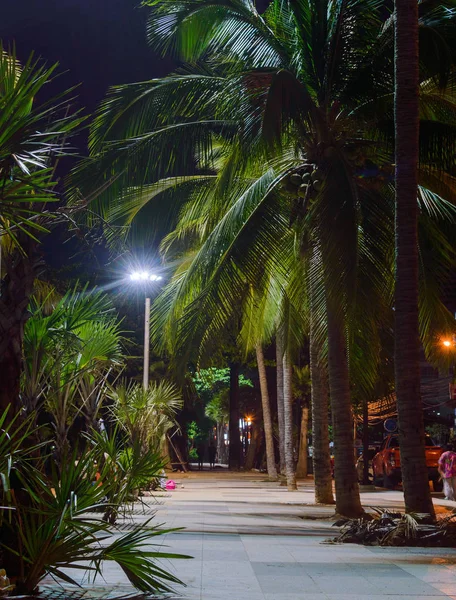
99 42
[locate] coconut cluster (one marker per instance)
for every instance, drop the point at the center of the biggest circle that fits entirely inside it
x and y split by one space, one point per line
307 180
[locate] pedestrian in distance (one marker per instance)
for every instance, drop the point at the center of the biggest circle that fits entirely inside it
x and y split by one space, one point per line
212 451
200 449
447 470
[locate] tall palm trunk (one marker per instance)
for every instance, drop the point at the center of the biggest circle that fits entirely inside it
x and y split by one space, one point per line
270 454
235 440
301 467
280 414
407 342
220 442
16 289
320 426
348 502
288 422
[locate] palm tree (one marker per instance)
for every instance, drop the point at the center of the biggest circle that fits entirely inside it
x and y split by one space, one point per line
217 410
288 422
282 93
31 142
280 415
407 340
301 387
270 453
320 427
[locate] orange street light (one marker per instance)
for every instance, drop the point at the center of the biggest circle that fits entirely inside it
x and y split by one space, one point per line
447 343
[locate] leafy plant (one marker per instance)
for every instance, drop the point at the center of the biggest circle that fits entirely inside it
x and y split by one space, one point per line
16 444
33 138
194 433
385 528
53 527
146 415
128 465
69 353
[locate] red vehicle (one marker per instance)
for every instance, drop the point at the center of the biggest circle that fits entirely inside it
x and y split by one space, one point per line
386 464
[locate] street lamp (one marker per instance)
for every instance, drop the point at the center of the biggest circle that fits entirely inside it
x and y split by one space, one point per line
145 277
451 344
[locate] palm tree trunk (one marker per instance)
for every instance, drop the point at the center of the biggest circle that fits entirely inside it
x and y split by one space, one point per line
220 442
407 341
16 289
301 467
320 426
235 440
288 422
270 453
280 414
348 502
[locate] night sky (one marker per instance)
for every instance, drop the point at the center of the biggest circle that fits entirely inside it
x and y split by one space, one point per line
98 42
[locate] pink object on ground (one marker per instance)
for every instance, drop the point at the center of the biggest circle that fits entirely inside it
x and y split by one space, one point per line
170 485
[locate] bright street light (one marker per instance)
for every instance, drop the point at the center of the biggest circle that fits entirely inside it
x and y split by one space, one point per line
145 277
447 343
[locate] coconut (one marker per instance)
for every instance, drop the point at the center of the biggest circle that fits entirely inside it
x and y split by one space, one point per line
295 179
302 192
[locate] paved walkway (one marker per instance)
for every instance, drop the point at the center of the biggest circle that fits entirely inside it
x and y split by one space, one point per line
253 540
250 540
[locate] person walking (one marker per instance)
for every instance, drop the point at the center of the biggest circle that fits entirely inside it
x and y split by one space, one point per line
212 451
200 453
447 469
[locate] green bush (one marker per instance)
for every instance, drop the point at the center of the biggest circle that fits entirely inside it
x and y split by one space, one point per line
47 521
193 454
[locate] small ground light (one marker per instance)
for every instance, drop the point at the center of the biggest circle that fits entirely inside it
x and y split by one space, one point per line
447 343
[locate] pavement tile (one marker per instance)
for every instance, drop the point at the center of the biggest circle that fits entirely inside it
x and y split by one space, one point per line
224 555
278 568
228 588
286 584
446 588
230 594
220 568
301 595
402 587
431 573
260 555
348 585
373 596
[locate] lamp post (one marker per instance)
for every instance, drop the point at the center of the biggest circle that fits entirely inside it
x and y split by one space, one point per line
143 277
449 345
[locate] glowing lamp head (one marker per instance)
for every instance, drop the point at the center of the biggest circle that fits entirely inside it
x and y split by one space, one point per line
144 276
447 343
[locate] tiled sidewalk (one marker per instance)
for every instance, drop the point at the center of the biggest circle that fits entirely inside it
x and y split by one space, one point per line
301 568
251 540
